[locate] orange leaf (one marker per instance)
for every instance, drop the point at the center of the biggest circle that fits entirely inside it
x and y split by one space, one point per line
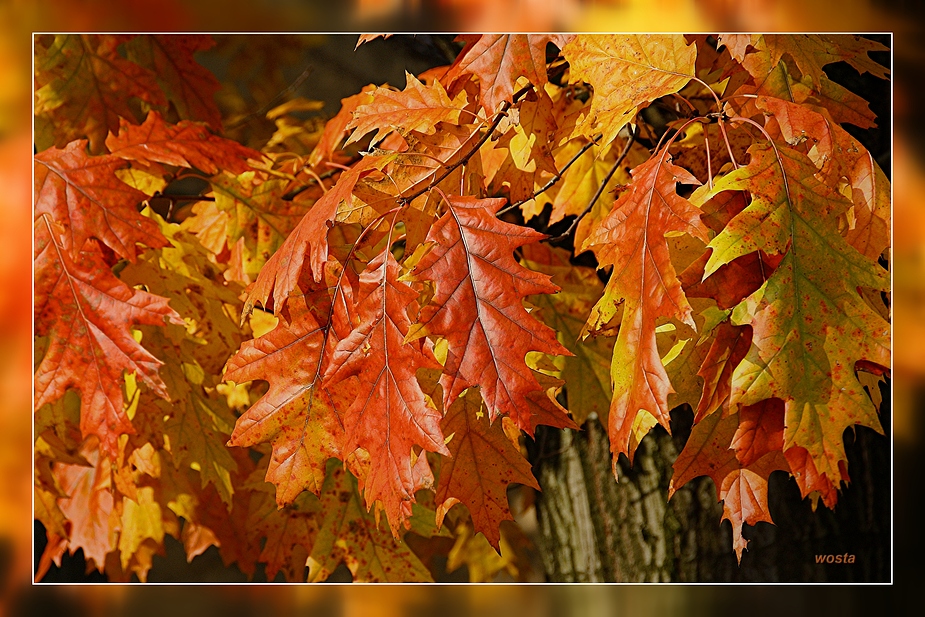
632 240
743 489
186 144
188 85
83 194
626 72
484 462
299 417
499 59
309 239
478 307
417 108
88 314
83 86
390 414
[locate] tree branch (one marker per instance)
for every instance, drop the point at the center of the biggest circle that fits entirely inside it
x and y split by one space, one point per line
555 179
600 189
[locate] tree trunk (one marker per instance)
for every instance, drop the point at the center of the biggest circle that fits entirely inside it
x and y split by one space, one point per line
593 528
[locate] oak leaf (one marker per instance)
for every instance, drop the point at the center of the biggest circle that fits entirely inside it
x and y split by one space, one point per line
743 489
83 86
186 144
626 72
187 84
349 534
297 415
484 462
88 314
499 59
478 307
809 326
632 240
83 194
390 414
811 52
416 108
309 240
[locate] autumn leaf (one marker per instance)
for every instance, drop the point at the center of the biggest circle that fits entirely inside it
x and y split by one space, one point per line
499 59
842 161
309 239
811 52
626 72
743 489
88 313
390 414
186 144
84 86
300 418
374 555
88 506
729 346
85 196
484 462
632 240
187 84
290 534
478 307
416 108
804 315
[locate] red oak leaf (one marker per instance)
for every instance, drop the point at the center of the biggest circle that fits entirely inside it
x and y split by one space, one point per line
743 489
484 461
390 414
416 108
190 86
499 59
88 314
186 144
309 239
83 194
632 240
478 307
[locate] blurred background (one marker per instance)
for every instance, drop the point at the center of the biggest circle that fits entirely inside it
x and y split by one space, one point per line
20 18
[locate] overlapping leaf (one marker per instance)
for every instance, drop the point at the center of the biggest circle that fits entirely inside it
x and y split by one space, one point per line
499 59
88 314
484 462
811 52
309 239
743 489
85 196
373 554
810 325
626 72
390 414
84 86
187 84
632 240
297 415
186 144
416 108
478 307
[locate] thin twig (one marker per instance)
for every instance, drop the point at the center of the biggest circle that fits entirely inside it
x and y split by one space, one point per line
600 189
406 199
555 179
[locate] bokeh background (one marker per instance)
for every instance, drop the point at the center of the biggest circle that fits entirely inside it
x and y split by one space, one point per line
20 18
